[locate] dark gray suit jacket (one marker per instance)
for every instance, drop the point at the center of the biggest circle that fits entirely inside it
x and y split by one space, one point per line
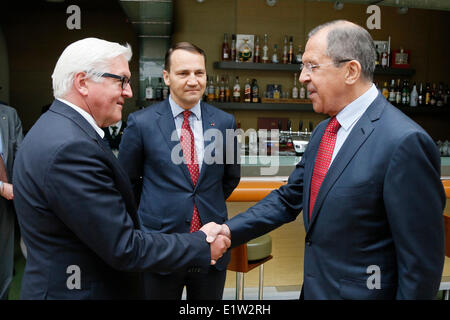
378 212
76 211
11 135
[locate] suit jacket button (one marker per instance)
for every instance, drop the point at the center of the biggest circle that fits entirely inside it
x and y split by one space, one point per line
308 241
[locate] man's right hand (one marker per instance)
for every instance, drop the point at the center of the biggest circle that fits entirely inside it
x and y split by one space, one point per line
218 236
219 247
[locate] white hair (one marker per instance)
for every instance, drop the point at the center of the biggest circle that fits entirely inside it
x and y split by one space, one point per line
90 55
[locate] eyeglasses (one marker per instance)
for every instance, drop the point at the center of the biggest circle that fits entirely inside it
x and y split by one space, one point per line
124 80
309 67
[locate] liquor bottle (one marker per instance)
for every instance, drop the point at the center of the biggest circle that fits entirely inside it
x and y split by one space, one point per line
245 52
217 89
276 92
236 90
233 48
291 51
408 92
257 57
405 94
149 91
440 96
265 58
302 93
255 91
398 93
446 95
211 89
433 96
222 90
284 59
247 91
158 91
166 92
414 96
427 94
227 89
225 48
295 88
299 56
385 90
275 54
384 57
392 92
420 96
289 143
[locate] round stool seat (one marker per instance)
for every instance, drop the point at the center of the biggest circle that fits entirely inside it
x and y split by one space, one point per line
259 248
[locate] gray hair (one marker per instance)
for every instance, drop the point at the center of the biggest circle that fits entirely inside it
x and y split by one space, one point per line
90 55
347 40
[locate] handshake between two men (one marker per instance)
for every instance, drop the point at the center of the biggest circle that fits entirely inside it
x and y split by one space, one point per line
219 238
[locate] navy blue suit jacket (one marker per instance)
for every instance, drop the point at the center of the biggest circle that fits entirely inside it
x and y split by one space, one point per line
75 207
168 194
380 204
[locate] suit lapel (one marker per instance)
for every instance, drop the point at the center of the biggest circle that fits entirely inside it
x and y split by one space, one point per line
5 134
166 124
127 194
359 134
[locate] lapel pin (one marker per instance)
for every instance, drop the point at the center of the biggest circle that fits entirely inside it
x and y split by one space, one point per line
212 124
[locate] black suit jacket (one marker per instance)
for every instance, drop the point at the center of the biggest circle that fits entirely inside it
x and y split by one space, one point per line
114 142
76 210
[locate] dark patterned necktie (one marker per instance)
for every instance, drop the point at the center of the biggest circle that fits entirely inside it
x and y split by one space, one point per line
114 129
190 157
323 160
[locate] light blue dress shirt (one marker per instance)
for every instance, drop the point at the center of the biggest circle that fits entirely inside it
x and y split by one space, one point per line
348 117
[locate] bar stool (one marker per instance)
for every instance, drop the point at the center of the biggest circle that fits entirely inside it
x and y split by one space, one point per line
445 281
247 257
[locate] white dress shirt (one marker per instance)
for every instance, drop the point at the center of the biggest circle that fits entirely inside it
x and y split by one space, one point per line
351 113
85 115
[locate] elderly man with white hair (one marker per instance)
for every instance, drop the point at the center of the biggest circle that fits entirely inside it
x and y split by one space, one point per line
74 202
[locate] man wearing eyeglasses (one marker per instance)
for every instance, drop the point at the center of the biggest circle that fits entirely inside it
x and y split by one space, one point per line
368 183
75 203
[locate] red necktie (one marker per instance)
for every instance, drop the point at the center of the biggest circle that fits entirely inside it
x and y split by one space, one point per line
323 160
190 157
3 174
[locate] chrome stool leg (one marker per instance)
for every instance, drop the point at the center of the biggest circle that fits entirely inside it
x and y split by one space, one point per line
239 286
261 282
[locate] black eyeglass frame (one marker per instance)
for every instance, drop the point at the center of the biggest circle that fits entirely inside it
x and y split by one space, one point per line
123 79
315 66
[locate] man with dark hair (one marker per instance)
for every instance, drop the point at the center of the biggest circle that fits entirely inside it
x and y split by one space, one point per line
180 195
368 183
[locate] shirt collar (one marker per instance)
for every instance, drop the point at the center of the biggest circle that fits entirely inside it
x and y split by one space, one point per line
176 109
86 116
118 124
354 110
